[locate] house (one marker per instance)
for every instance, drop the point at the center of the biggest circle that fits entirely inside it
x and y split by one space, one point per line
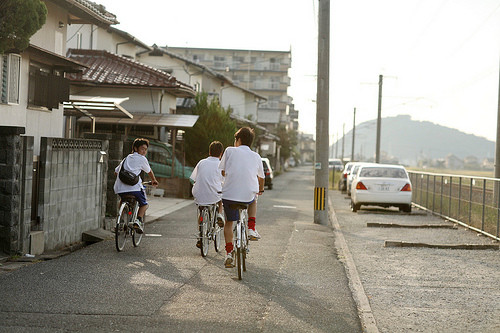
242 101
33 81
41 197
262 71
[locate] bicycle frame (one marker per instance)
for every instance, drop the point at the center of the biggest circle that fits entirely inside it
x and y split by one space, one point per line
209 229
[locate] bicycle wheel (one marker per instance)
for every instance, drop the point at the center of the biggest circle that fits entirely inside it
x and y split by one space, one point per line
205 219
137 237
244 244
217 237
121 227
239 262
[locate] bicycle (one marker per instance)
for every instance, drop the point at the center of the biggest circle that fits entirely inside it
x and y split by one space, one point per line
124 228
209 229
240 237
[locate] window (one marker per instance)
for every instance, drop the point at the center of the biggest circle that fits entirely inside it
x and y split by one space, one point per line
10 68
47 87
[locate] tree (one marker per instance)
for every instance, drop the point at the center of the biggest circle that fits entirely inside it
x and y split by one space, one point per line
213 124
19 20
288 141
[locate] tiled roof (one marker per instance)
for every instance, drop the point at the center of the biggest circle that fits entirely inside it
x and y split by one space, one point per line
85 9
108 69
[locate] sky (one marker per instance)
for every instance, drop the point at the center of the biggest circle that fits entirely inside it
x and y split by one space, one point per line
439 58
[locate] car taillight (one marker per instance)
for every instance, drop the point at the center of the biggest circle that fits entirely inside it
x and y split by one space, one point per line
407 187
360 186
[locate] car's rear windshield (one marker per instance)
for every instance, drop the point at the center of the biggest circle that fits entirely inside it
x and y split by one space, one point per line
383 172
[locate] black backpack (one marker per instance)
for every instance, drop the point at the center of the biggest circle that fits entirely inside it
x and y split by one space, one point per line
126 176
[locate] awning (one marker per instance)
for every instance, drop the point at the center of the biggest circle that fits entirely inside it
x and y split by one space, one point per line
151 119
96 107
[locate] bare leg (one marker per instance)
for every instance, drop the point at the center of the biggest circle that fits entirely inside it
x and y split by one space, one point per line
228 232
142 211
252 209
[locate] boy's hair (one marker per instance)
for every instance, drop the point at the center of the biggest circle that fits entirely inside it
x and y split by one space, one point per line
246 134
139 142
215 149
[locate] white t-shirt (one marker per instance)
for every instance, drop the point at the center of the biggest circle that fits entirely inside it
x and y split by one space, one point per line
241 166
207 181
134 163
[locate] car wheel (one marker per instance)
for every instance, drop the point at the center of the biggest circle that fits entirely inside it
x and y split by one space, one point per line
405 208
355 207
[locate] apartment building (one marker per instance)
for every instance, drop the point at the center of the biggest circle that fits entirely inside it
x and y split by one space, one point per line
265 72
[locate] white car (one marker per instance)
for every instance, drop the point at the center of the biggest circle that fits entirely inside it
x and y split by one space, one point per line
352 174
382 185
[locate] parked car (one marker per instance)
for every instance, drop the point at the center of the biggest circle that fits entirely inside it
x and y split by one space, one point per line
268 172
335 163
383 185
352 174
343 180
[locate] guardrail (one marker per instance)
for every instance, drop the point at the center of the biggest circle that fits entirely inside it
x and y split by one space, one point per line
473 202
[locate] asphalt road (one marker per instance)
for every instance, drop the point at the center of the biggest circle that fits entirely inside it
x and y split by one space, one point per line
294 280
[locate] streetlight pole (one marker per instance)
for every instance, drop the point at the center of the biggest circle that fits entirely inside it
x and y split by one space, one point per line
379 118
322 115
353 135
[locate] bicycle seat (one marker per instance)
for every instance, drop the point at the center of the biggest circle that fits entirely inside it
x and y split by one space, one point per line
239 205
129 198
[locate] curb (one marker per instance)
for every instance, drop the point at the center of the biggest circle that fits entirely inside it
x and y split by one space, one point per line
368 321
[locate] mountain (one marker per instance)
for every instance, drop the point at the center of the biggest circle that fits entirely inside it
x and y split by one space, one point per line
410 141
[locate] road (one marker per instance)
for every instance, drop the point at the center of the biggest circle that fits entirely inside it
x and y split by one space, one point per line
294 280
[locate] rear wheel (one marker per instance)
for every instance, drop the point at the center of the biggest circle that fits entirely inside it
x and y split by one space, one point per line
405 208
205 218
121 227
136 237
239 263
244 245
217 237
355 207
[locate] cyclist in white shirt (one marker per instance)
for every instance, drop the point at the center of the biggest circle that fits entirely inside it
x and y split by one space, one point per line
207 188
136 162
244 179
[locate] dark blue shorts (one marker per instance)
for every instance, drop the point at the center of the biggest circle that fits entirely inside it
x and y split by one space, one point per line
232 214
139 195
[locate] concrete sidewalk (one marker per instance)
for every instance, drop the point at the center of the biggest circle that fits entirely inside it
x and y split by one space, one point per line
158 207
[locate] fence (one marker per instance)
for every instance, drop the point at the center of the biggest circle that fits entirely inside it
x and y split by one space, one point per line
473 202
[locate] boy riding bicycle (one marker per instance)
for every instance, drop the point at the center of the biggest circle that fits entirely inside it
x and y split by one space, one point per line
208 181
136 162
244 179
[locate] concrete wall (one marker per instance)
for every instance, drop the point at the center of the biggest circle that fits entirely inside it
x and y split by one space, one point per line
73 176
16 171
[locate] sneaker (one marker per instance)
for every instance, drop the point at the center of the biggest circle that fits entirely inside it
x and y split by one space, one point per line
228 262
220 220
198 244
138 227
253 235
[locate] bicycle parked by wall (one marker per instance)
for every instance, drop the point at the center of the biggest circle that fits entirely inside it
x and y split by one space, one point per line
209 229
124 228
240 238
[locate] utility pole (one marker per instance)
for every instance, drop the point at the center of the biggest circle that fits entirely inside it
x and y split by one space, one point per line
343 140
322 115
337 145
353 134
379 118
497 151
